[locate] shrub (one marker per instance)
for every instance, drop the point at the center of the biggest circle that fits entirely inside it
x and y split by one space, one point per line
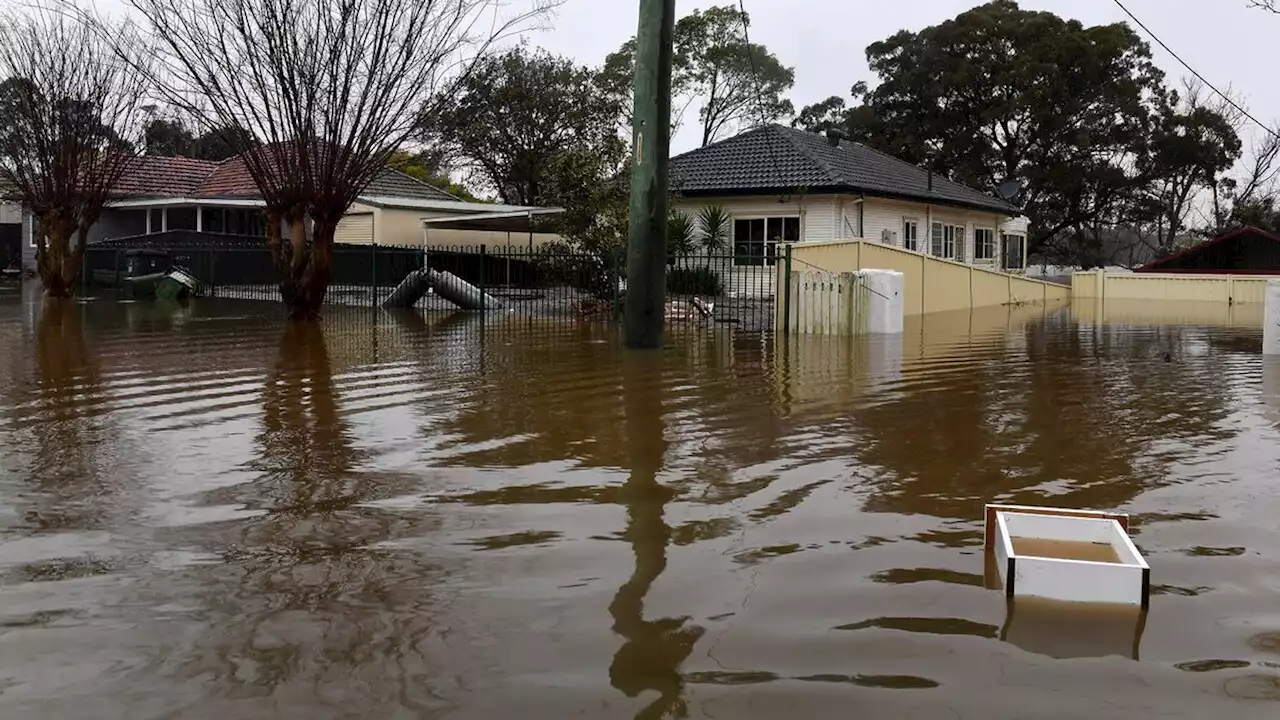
694 281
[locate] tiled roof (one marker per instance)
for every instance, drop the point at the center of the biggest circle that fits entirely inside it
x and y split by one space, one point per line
393 183
777 158
153 176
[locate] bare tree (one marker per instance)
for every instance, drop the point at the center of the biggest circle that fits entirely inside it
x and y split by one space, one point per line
70 106
328 90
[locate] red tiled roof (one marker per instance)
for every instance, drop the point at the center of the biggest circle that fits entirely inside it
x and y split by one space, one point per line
230 178
151 176
154 176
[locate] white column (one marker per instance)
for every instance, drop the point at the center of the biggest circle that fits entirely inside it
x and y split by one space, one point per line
148 212
1271 320
199 219
164 219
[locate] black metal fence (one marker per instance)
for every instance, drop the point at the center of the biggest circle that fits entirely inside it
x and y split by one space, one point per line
550 280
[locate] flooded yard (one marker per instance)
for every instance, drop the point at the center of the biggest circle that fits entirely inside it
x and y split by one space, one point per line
205 513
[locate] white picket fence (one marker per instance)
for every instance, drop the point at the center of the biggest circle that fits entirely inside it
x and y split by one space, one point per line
826 303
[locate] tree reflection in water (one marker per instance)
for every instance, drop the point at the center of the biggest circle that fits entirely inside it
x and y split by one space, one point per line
67 435
653 650
308 605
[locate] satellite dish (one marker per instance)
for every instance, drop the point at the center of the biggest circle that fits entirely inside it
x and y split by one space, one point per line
1009 190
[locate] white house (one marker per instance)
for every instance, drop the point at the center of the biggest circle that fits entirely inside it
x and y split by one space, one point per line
782 185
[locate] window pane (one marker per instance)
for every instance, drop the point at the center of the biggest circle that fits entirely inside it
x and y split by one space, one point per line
1013 249
774 231
748 242
791 229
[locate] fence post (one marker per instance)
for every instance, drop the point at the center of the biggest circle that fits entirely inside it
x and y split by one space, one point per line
786 292
484 303
84 272
116 281
373 291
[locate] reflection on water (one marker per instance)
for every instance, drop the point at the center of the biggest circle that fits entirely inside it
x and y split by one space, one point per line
206 513
653 650
1074 630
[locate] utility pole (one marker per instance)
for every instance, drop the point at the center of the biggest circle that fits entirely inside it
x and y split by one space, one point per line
651 147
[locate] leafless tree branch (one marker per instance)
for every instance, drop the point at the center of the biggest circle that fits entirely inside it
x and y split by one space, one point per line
316 95
70 110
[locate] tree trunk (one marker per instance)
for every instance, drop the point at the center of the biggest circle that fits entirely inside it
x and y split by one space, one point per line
57 263
307 282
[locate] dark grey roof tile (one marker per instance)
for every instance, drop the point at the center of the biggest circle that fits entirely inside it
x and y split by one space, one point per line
773 157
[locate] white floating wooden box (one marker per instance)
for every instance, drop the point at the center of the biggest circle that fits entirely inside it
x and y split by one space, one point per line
1072 555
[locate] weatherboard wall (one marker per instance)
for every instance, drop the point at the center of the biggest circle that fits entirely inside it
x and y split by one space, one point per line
883 221
847 217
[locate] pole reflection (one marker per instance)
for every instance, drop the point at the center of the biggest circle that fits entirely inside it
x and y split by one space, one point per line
653 650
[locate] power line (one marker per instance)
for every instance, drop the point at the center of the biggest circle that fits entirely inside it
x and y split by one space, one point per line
755 79
1193 71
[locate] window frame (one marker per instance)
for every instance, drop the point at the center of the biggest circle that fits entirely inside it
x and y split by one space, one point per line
977 244
1022 250
911 240
954 240
769 256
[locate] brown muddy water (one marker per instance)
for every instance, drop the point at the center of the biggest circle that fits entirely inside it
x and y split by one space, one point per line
206 514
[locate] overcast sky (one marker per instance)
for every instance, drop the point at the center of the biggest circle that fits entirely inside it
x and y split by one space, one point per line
825 40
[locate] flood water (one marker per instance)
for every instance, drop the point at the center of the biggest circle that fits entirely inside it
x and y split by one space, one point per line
207 514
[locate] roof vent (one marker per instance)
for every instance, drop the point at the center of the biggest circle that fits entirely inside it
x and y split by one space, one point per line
833 137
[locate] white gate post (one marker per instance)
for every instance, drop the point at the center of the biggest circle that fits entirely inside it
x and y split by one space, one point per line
1271 320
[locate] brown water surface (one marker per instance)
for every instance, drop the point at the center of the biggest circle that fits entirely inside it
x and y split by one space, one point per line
1065 549
207 514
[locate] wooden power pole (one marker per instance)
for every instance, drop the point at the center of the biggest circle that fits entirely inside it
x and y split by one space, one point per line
651 147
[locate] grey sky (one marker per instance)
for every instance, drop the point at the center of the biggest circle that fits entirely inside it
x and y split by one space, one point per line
825 40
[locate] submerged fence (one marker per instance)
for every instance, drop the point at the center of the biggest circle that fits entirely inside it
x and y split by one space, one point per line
548 281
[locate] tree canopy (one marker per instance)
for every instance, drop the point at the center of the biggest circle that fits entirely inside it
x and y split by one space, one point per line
1079 115
737 83
515 114
171 137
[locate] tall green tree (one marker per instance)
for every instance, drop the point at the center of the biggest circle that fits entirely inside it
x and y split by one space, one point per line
167 138
516 114
1000 93
735 82
171 137
1192 143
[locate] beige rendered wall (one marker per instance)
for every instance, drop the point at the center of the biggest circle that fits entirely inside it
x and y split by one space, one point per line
930 284
1167 287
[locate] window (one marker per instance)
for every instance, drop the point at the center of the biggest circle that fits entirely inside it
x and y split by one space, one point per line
157 220
1014 247
984 244
755 241
910 234
946 238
